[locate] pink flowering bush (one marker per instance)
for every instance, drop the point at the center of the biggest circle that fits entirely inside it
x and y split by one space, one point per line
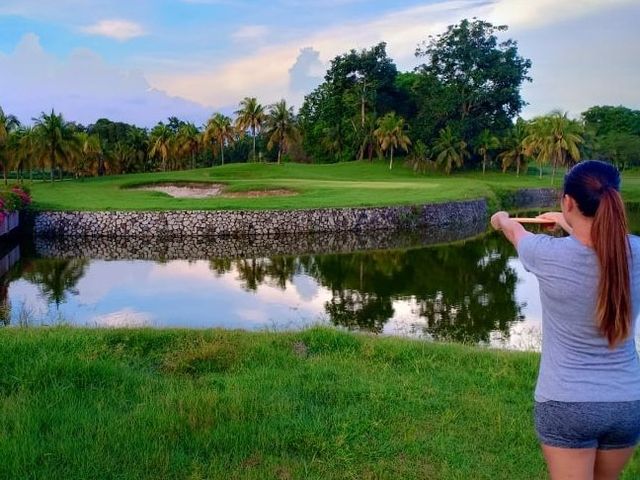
13 200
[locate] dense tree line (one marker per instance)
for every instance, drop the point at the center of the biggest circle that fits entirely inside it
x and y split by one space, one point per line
458 109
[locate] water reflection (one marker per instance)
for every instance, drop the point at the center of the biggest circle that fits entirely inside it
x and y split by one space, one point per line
459 292
472 291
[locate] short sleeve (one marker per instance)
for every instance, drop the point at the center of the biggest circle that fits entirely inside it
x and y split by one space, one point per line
529 252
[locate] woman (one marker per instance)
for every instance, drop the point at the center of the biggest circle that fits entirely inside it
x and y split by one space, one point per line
587 398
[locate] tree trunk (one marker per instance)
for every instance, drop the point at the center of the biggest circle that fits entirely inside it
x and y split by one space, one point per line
222 152
253 131
518 166
53 161
484 163
391 161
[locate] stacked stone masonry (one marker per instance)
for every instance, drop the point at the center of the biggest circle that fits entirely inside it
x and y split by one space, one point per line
257 222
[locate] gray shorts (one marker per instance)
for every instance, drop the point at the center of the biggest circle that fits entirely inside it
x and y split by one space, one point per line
601 425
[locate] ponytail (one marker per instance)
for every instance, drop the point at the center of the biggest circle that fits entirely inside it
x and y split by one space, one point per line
609 236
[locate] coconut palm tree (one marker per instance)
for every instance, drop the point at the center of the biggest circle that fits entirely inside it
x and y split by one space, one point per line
189 141
486 142
250 116
419 160
449 150
91 153
55 142
368 141
514 147
391 134
219 131
28 155
281 127
161 144
8 123
138 142
554 138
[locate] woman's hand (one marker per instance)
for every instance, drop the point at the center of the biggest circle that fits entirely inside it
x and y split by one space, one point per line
497 219
510 228
556 218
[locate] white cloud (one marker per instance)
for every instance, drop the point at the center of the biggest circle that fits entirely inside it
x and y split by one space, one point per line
84 88
265 73
118 29
250 32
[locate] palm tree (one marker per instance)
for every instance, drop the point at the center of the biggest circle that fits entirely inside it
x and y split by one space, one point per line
391 135
138 142
567 137
554 138
514 143
450 150
281 127
251 115
486 142
54 140
419 159
189 141
91 153
220 131
161 144
8 123
366 131
536 143
28 151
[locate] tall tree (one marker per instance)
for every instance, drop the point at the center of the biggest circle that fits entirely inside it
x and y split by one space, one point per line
554 139
250 116
358 86
55 140
485 143
449 150
391 134
189 141
91 152
281 127
219 131
161 144
8 123
514 151
478 76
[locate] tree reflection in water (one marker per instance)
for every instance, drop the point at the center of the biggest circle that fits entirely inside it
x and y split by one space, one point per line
462 291
55 277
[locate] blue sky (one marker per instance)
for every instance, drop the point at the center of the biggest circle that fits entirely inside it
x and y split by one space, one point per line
143 60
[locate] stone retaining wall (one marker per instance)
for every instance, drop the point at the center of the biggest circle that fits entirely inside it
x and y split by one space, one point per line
235 222
225 223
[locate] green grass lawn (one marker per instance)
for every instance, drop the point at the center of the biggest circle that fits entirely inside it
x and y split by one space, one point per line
316 404
335 185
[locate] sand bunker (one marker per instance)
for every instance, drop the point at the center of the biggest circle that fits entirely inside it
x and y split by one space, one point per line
207 190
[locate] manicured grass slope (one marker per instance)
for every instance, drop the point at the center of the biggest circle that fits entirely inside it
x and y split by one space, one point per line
317 404
337 185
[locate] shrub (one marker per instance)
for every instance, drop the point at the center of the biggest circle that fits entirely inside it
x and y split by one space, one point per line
13 199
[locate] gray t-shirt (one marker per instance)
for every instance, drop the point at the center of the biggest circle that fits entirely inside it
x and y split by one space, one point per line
577 364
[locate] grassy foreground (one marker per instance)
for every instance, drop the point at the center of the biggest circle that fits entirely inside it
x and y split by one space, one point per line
316 404
335 185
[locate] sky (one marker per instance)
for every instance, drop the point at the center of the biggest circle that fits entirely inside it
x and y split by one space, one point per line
141 61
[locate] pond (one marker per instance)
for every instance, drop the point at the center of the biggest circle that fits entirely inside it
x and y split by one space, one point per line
471 290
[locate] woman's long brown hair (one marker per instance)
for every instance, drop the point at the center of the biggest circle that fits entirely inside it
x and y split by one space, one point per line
609 236
595 187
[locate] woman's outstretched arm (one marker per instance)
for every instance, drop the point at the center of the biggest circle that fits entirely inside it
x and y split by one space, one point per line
511 229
